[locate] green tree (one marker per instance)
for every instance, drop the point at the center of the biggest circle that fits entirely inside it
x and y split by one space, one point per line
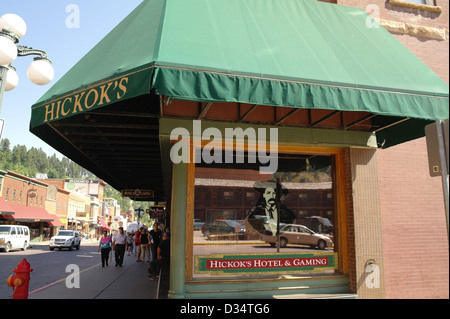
33 161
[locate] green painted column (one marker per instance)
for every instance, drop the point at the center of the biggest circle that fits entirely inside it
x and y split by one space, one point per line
178 232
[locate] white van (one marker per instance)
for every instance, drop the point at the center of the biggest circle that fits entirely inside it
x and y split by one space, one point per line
133 227
14 237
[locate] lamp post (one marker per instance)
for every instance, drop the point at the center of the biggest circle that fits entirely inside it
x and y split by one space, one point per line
139 211
40 71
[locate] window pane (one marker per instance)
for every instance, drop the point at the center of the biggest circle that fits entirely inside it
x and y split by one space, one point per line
240 210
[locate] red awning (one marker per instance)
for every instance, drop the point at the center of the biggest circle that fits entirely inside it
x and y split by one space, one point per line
29 214
5 208
56 222
104 225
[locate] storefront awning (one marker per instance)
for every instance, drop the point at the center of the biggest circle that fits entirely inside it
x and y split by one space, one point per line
287 53
55 222
301 54
5 208
29 214
103 225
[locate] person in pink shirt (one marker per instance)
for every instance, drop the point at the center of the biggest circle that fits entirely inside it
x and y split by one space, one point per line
105 246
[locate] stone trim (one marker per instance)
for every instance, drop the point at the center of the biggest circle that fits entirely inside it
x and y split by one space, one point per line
425 7
414 29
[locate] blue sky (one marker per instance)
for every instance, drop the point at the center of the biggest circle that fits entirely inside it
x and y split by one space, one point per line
66 30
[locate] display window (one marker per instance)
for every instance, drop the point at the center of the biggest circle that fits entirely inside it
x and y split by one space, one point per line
252 224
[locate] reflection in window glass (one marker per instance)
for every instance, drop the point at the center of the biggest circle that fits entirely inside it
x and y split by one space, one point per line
240 210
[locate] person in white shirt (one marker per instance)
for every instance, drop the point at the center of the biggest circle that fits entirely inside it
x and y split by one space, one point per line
119 246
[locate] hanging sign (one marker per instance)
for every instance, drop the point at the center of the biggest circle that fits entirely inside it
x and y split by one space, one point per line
137 193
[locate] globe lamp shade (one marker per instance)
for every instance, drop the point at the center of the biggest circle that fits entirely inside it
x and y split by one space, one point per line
40 71
8 50
12 79
13 23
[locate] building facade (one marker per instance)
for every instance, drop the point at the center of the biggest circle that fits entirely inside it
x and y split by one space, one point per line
410 201
46 205
83 205
57 202
269 116
27 202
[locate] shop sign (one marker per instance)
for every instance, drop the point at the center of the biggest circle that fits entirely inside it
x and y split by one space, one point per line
85 100
83 186
136 193
156 211
89 98
226 264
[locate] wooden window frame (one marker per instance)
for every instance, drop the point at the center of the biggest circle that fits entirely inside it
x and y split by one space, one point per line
339 197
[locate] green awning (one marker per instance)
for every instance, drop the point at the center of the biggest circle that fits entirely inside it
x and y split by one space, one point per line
292 53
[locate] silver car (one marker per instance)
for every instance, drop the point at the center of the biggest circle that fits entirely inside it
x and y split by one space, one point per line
66 239
300 235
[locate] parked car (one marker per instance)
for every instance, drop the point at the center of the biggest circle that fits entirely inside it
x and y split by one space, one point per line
319 224
261 223
14 237
66 239
300 235
223 226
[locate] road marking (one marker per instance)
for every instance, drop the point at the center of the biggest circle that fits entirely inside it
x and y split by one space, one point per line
60 280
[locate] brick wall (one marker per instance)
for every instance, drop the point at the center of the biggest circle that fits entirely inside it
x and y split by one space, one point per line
415 242
364 229
414 225
352 274
19 190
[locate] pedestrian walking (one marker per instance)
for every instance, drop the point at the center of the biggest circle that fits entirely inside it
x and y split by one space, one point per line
145 245
130 243
156 238
105 246
119 246
137 244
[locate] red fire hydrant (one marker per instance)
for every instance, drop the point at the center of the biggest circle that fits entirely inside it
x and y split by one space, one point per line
21 280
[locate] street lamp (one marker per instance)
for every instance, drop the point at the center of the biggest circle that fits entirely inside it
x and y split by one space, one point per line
40 71
139 211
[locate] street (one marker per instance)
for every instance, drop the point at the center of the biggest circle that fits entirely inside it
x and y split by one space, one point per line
48 266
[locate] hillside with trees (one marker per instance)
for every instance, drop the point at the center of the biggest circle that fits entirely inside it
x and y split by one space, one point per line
29 162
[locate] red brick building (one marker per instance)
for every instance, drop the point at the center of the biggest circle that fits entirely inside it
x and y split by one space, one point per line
27 199
414 233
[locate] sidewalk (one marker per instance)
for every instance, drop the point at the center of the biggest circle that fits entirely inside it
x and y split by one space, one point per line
127 282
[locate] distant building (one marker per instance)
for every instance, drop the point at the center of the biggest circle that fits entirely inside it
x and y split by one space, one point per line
23 201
